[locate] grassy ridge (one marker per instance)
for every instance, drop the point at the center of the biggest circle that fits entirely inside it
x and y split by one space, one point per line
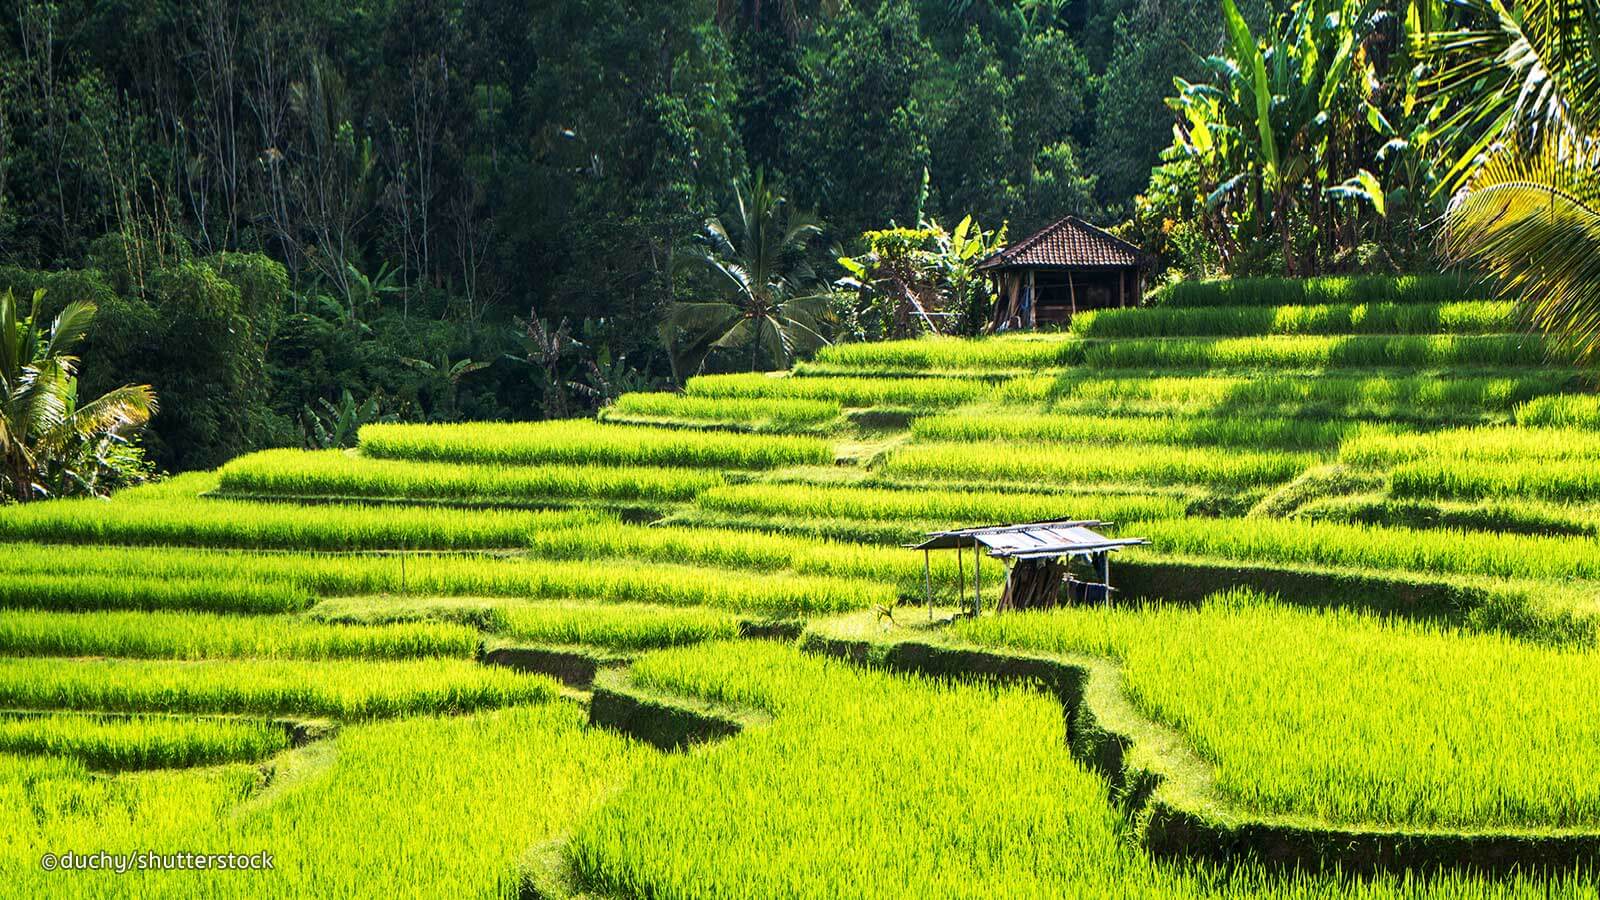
1464 736
32 585
1083 463
880 504
852 392
578 442
1022 351
171 574
1438 551
752 818
207 522
1565 411
1519 516
629 627
1562 480
1305 352
341 689
141 742
1473 317
1358 396
754 414
202 636
1270 352
613 626
1441 398
1494 445
333 473
1432 289
1285 434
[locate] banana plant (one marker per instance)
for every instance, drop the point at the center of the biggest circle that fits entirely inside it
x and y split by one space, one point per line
1277 131
446 377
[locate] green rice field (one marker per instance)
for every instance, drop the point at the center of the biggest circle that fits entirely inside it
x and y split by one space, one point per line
679 650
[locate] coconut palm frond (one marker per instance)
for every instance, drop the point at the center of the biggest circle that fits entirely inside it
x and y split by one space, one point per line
1522 73
71 326
1532 221
112 412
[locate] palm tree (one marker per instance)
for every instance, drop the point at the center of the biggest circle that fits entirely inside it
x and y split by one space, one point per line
1522 79
41 421
765 317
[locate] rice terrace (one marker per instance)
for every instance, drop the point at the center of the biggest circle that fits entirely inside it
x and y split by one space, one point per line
481 449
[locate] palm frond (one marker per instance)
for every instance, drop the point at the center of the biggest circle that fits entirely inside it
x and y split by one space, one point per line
70 327
1532 221
1521 73
112 412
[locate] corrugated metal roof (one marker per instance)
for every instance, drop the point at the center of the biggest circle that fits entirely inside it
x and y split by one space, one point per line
1036 540
1068 242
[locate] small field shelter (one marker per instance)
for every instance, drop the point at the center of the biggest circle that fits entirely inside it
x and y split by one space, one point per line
1067 267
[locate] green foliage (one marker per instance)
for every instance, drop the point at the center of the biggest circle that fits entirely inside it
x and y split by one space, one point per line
336 427
920 280
1275 151
865 145
51 443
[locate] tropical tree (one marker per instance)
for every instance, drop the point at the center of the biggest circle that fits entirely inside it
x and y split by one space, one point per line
770 311
49 440
1523 79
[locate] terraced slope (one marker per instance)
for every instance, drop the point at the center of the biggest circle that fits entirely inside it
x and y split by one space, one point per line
311 652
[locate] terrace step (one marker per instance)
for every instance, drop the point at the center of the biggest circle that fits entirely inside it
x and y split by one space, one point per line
1167 788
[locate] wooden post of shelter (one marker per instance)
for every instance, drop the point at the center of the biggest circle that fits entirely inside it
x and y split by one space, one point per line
977 595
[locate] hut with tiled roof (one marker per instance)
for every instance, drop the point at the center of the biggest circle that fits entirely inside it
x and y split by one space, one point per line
1067 267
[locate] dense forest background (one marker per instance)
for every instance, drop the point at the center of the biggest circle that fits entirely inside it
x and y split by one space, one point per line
295 215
